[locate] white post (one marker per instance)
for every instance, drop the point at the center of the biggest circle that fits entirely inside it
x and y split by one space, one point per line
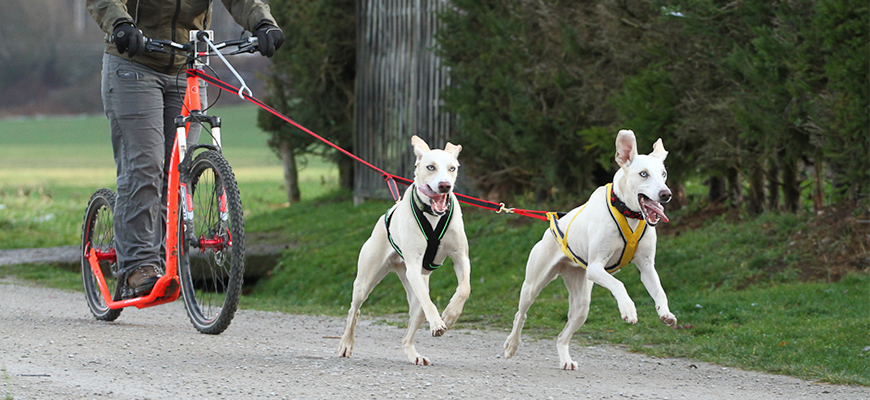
216 135
181 136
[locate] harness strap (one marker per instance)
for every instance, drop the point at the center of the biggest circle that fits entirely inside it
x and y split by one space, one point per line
561 237
433 236
630 238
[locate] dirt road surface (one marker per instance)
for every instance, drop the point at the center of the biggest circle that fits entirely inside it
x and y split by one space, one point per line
52 348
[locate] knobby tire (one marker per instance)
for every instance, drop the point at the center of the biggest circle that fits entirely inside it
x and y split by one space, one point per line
98 233
211 260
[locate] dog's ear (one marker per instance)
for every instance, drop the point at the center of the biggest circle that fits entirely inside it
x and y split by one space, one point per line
453 149
626 148
420 147
659 150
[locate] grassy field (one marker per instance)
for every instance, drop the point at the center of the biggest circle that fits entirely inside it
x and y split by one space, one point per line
49 167
736 284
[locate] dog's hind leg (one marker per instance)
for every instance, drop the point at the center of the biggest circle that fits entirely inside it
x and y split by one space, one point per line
415 312
368 275
579 297
541 269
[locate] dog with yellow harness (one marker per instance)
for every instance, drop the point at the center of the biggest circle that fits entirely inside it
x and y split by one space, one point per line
592 242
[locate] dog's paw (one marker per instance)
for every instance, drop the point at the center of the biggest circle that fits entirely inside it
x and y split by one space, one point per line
420 360
570 365
437 332
345 351
630 318
438 328
450 317
668 319
510 347
628 312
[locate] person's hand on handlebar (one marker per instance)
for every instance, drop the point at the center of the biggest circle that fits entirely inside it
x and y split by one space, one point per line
129 39
270 39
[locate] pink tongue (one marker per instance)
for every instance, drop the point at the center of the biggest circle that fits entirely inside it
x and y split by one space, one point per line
655 208
439 203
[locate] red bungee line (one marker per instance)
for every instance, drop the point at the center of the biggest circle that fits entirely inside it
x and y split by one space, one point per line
388 177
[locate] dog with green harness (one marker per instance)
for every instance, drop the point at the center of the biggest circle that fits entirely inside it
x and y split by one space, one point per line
413 239
587 245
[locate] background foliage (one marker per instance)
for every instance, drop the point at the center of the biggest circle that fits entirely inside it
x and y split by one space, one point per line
761 100
312 79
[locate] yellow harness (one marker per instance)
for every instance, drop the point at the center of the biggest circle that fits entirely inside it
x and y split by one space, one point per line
630 238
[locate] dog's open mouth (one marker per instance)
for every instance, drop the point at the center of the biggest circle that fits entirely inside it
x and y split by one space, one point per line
652 211
437 201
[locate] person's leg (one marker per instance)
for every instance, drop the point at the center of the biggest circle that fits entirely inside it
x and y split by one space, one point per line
133 102
173 99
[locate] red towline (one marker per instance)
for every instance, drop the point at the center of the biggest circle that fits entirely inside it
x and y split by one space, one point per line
388 177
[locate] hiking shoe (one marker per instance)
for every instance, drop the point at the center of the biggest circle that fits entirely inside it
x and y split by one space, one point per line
141 281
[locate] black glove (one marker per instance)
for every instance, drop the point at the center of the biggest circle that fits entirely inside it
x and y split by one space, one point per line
129 39
269 39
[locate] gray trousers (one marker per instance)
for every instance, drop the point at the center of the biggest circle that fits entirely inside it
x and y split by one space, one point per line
141 105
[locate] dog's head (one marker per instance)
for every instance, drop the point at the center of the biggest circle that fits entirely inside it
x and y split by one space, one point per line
435 172
641 179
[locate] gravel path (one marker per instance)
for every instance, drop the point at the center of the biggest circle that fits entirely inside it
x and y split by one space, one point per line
52 348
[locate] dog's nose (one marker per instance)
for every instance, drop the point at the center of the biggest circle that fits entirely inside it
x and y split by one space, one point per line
444 187
665 196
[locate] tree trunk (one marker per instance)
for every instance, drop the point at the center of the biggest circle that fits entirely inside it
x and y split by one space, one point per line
678 192
291 174
717 191
735 190
774 184
755 200
345 172
791 186
818 186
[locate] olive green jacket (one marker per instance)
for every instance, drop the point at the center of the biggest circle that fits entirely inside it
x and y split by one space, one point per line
172 20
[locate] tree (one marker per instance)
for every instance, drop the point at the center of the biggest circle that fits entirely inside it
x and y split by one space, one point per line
312 80
758 86
843 112
531 82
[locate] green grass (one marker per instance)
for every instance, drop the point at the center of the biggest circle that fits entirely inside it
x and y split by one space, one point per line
49 167
734 286
45 274
6 384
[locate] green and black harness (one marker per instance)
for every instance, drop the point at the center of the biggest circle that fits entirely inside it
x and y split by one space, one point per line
432 235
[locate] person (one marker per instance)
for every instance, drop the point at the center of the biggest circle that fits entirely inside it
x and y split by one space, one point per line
141 98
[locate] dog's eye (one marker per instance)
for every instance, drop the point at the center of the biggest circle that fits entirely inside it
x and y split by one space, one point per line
644 174
665 174
430 167
452 169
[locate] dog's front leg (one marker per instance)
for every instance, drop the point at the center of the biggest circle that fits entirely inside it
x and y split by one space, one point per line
595 272
650 278
417 317
462 267
420 287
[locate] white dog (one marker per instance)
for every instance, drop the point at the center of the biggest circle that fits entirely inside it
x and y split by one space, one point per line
406 240
593 241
